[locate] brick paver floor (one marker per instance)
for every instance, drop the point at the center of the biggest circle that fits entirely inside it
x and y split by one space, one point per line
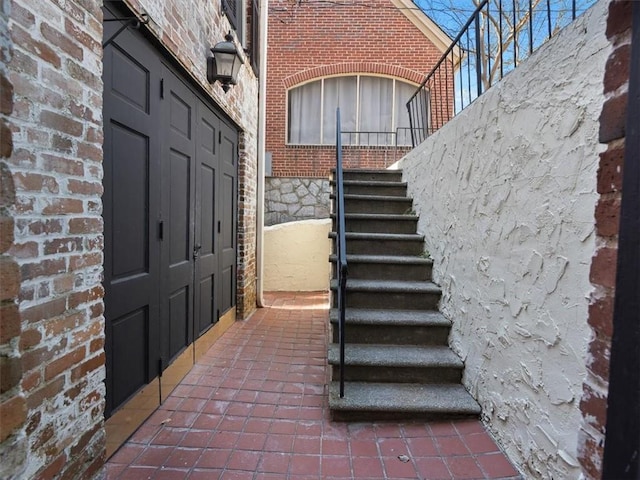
255 407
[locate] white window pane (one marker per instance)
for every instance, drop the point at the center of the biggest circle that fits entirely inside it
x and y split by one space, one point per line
339 92
404 91
304 113
376 103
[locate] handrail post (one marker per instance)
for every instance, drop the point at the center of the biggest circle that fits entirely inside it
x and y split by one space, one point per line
341 261
478 56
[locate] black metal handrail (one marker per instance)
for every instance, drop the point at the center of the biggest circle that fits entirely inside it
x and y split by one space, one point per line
499 35
341 250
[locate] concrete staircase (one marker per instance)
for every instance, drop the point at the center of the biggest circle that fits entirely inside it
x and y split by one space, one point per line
397 361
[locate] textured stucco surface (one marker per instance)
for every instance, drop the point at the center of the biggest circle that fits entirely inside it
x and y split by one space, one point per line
506 195
296 256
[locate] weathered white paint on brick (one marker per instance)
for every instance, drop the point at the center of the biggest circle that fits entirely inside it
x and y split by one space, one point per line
506 195
56 166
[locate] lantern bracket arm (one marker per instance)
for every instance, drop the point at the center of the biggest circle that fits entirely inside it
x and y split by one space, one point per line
128 22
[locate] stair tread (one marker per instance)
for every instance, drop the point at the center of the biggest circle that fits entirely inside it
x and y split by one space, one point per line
409 397
379 216
401 259
372 183
369 170
389 286
390 198
383 355
365 316
381 236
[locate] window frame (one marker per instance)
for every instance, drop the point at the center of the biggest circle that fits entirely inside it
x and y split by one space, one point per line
358 109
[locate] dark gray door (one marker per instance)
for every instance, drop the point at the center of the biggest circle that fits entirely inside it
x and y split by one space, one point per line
178 207
228 215
170 207
131 205
208 223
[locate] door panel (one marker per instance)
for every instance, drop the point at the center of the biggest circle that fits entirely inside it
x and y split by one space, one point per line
130 353
178 221
130 216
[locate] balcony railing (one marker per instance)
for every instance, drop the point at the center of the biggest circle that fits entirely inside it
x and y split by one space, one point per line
399 138
499 35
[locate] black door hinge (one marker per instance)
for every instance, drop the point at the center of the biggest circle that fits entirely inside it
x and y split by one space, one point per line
219 226
160 366
161 230
219 136
162 88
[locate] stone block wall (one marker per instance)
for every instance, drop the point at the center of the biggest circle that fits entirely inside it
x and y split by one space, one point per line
291 199
607 218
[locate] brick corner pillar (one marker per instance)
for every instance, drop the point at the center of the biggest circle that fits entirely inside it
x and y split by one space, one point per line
13 410
607 217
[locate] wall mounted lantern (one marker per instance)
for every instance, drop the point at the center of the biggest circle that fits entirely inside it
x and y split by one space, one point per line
225 63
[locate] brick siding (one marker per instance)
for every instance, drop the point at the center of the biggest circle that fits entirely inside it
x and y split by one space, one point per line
312 40
607 214
56 169
13 408
52 358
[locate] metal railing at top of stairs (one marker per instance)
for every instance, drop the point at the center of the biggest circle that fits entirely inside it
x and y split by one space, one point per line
497 37
341 250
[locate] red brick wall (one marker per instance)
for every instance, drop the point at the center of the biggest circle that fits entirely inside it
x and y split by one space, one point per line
56 169
310 40
603 266
12 402
51 228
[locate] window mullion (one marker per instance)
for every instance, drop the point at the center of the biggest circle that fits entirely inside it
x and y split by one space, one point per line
393 111
357 139
322 112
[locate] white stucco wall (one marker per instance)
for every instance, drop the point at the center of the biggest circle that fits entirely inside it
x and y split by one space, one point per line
506 196
296 256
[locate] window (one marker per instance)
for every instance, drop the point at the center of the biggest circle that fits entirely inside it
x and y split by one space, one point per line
372 111
233 9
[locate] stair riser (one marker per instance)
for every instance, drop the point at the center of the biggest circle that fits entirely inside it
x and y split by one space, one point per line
390 190
388 271
391 300
393 335
379 226
384 247
364 176
421 375
399 207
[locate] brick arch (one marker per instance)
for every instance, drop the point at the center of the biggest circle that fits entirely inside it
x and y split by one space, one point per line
395 71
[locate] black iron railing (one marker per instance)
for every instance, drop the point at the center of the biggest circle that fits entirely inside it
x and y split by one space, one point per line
341 250
399 138
499 35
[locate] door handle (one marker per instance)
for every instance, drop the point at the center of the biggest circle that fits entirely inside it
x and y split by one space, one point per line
196 250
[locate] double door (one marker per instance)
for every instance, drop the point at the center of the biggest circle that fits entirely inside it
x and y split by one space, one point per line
170 204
